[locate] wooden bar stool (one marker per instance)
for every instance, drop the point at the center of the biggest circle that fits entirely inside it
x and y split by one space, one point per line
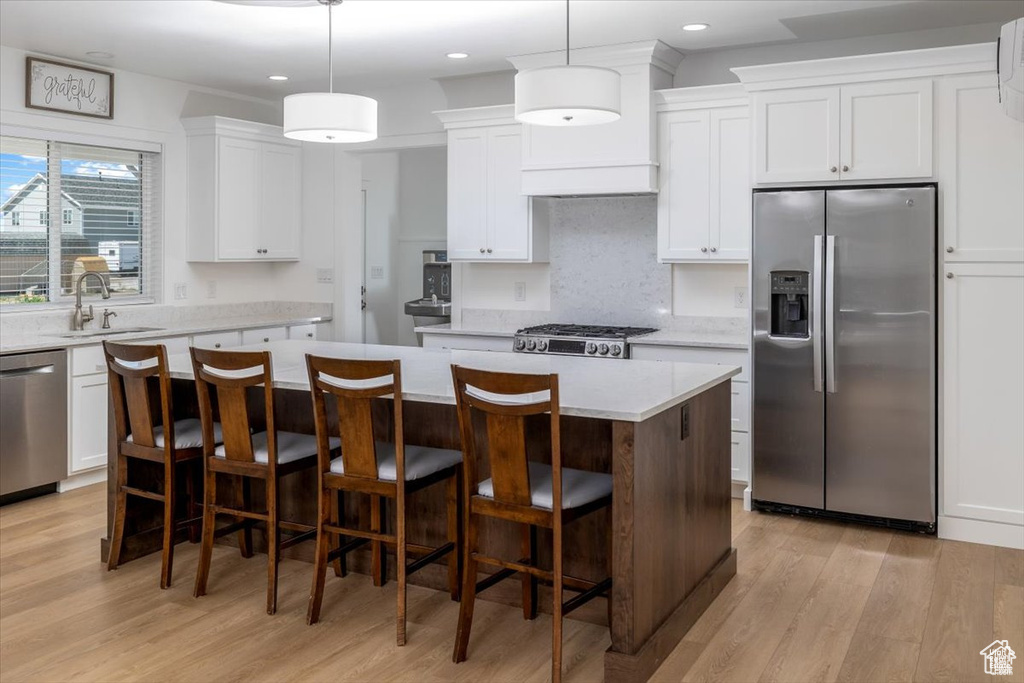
521 491
138 375
269 455
381 470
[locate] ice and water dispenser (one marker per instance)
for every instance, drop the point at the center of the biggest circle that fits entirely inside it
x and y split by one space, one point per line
790 304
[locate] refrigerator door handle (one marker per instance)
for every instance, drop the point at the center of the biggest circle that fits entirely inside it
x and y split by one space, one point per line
816 321
830 314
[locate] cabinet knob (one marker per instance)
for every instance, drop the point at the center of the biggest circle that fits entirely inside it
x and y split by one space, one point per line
949 276
704 250
949 250
266 339
309 334
217 345
833 169
489 251
845 168
482 250
714 249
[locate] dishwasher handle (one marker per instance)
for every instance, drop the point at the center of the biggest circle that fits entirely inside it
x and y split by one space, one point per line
34 370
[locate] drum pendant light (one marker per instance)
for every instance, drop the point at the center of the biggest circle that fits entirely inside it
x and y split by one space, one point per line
330 116
567 95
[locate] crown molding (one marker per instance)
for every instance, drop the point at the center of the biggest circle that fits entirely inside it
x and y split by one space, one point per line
498 114
725 95
221 125
939 61
641 53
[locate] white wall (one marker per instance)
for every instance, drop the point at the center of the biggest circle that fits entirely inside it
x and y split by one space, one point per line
148 110
708 289
380 185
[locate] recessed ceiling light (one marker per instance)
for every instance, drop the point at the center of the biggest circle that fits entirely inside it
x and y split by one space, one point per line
99 55
695 27
278 78
457 55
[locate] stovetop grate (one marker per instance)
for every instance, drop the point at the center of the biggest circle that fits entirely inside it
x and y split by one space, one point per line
586 331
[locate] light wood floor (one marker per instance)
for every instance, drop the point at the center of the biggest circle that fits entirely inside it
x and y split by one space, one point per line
812 601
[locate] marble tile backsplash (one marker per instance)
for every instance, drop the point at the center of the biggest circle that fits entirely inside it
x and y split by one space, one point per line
605 270
57 321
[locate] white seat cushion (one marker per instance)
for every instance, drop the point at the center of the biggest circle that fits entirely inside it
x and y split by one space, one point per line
420 461
579 487
188 433
290 447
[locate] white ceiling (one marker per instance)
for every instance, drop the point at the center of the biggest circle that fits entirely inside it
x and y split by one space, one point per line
378 43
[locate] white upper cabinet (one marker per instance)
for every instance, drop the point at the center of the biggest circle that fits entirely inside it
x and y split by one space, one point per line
704 182
980 172
865 131
244 191
797 135
885 130
489 219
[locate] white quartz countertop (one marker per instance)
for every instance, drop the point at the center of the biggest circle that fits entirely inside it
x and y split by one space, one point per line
446 328
717 339
21 343
612 389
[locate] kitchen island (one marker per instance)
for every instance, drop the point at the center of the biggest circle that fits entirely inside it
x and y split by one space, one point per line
661 429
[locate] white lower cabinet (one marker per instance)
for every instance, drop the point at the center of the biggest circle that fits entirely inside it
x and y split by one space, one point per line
264 335
739 390
89 406
983 401
467 342
216 340
302 332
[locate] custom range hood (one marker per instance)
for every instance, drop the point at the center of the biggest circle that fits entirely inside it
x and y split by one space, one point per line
617 158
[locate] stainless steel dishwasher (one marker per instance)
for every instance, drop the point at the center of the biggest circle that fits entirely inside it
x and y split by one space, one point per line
33 422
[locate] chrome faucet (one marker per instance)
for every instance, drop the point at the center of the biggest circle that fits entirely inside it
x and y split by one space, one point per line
79 319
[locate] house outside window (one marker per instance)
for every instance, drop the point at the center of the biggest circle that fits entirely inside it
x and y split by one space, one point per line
108 201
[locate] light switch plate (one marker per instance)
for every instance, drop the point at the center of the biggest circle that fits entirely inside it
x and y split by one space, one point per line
325 274
211 289
180 291
519 291
376 272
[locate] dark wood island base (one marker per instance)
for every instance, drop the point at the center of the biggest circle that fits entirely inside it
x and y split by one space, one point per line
668 542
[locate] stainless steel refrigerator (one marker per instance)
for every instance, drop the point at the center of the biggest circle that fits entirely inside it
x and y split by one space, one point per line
844 352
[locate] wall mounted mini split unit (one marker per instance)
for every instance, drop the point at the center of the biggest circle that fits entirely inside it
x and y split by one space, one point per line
1010 64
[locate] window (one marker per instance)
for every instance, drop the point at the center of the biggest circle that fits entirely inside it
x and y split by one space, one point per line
108 203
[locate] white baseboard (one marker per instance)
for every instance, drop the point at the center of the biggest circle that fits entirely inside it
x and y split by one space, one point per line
738 487
77 481
747 495
978 531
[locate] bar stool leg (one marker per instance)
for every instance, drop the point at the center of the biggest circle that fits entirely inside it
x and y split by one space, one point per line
378 568
468 592
167 561
316 593
529 551
452 493
273 543
556 612
400 563
209 524
337 506
194 530
243 490
120 503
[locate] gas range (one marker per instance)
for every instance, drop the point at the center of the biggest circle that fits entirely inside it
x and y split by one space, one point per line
597 341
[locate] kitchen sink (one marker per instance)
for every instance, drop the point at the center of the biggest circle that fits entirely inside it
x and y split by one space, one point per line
103 333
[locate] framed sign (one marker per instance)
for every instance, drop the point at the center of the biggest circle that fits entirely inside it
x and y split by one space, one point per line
68 88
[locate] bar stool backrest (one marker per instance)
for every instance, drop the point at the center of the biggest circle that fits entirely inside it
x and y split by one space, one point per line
505 400
231 374
136 397
355 384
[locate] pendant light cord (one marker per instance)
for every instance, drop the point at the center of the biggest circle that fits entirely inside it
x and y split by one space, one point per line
330 47
567 32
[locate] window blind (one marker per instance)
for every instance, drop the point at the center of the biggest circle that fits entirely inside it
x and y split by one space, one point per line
70 208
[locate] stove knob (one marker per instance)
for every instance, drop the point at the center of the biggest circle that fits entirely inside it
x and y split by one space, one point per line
520 344
591 348
603 349
616 350
531 345
542 345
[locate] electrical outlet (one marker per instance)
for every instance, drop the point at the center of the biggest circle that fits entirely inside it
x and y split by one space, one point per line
211 289
376 272
325 274
180 290
739 297
519 291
